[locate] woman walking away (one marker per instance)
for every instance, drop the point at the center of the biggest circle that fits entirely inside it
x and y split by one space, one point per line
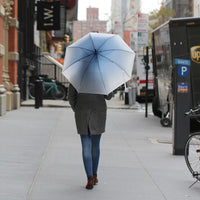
90 116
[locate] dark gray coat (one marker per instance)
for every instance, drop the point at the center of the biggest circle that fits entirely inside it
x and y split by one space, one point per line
90 111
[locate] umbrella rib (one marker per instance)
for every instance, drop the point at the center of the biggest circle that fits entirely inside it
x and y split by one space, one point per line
115 64
77 61
92 40
85 71
105 41
116 50
81 48
101 75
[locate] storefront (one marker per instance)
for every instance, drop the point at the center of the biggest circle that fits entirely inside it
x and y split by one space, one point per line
9 90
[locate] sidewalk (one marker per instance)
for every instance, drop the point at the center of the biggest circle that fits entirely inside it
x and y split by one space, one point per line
115 103
40 158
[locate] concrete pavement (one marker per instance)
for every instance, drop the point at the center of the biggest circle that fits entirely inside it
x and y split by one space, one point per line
115 103
40 158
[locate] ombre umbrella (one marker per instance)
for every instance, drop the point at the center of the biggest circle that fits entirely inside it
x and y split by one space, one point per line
98 63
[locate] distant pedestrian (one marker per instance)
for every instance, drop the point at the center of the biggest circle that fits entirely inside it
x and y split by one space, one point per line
90 116
121 92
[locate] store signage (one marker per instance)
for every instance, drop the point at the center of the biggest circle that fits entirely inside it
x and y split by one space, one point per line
195 54
48 15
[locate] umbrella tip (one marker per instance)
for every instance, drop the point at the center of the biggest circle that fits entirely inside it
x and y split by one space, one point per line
95 51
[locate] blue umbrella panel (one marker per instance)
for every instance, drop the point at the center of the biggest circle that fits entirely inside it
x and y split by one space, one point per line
98 63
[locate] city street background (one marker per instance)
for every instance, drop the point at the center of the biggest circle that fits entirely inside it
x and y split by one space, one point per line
40 157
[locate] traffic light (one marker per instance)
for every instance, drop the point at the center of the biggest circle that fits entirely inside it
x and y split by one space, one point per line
59 49
66 38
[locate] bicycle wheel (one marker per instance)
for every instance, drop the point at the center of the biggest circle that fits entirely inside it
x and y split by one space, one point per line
192 154
59 94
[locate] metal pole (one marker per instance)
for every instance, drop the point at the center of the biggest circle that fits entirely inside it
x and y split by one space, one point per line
147 80
55 75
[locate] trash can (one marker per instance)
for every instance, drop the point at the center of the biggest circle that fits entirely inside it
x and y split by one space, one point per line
130 96
134 94
38 93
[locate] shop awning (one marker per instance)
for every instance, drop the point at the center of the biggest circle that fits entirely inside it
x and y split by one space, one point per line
53 60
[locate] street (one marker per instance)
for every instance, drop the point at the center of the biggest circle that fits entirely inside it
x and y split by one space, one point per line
40 158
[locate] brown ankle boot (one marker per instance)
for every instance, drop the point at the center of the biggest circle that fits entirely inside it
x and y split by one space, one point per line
95 179
90 183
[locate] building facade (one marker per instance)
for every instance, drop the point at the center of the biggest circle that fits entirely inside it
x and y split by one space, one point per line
183 8
124 20
196 8
116 17
9 90
29 45
92 24
167 4
2 52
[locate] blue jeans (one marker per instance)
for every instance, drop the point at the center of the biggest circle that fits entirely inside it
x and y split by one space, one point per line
90 153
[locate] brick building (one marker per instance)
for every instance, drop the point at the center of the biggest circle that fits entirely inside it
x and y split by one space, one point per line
92 24
1 44
9 90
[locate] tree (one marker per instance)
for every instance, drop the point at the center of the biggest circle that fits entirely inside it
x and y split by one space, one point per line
158 17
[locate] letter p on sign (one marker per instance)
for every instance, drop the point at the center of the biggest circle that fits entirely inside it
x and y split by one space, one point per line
183 70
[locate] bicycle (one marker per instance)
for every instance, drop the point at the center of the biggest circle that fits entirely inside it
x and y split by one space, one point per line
51 89
192 147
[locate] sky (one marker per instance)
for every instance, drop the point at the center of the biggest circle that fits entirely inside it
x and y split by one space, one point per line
104 7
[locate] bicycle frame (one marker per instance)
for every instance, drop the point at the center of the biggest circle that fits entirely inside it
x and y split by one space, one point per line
53 85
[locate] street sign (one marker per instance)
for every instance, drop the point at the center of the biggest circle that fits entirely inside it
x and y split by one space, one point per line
178 61
143 30
183 70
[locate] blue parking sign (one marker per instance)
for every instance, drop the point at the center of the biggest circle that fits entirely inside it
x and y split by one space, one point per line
183 70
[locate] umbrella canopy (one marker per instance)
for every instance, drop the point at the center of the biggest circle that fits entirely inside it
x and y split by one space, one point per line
98 63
